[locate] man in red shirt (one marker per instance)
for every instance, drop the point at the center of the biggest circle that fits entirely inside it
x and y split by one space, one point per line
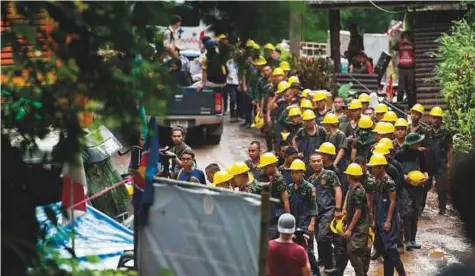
284 257
406 69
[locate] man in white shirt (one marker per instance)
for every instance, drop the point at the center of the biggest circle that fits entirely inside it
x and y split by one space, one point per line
170 37
231 89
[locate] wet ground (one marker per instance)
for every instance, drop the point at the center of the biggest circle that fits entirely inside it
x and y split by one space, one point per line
441 237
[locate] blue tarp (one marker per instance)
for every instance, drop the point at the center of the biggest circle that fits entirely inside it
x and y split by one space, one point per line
96 234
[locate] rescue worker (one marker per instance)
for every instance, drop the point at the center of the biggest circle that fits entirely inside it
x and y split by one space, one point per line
268 54
364 138
384 130
400 133
364 99
319 102
290 155
305 94
210 170
280 152
337 138
286 67
293 122
274 183
328 152
254 152
412 159
417 111
282 100
306 104
303 206
329 202
310 137
440 144
354 113
250 79
367 181
222 179
389 117
358 221
242 179
263 90
340 112
379 111
386 219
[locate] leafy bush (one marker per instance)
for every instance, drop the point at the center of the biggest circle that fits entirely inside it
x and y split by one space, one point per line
313 73
455 73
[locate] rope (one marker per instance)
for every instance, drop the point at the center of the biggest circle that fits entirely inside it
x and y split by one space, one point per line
98 194
388 11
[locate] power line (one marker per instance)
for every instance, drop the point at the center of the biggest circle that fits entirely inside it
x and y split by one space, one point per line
388 11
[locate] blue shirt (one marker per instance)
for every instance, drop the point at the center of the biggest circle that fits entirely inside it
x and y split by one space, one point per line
185 176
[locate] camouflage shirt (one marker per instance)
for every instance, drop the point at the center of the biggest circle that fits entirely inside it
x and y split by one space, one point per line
385 184
277 185
327 180
368 183
356 198
307 192
253 187
256 171
421 130
439 141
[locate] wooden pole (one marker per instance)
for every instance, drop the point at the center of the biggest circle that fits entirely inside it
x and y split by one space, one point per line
295 32
334 16
265 207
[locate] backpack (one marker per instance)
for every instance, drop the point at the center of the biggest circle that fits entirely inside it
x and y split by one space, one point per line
215 69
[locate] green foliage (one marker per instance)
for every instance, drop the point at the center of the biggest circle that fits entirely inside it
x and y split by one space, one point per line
456 74
313 73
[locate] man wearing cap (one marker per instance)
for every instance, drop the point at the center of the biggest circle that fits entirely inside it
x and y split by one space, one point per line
303 205
337 138
358 221
242 179
364 99
411 158
417 111
309 138
263 89
379 111
440 145
319 101
222 179
286 67
386 215
274 183
290 155
284 257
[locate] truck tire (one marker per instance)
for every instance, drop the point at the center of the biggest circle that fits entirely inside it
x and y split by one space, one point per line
213 139
213 133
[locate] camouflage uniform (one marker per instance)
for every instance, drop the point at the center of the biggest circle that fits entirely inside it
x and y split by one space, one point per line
253 187
256 171
276 187
303 206
325 183
339 140
357 244
307 144
388 239
265 90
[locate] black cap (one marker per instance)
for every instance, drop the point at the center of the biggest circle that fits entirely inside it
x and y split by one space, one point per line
290 150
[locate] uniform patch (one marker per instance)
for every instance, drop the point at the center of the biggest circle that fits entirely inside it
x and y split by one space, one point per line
323 182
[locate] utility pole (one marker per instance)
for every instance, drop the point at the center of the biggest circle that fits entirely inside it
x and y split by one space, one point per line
295 32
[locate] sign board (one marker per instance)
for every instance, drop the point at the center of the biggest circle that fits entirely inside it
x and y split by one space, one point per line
197 231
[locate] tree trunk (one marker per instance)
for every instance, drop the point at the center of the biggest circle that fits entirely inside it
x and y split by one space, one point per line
334 15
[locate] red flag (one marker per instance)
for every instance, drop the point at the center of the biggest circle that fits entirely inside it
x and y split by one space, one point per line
74 179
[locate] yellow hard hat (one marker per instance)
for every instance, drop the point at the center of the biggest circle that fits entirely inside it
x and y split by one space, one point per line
282 86
364 98
381 108
293 79
256 46
380 148
385 128
258 121
130 189
305 103
371 237
259 61
436 111
390 116
319 95
221 177
295 111
365 122
330 118
284 135
277 72
337 226
401 122
415 177
297 165
250 43
222 36
378 127
418 107
387 142
284 65
230 170
308 115
267 158
355 104
305 93
269 46
354 169
239 168
377 160
327 148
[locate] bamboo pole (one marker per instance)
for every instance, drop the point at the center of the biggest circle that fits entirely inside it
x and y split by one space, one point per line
265 206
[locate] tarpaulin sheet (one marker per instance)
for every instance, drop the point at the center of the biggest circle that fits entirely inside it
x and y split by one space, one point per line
96 234
195 231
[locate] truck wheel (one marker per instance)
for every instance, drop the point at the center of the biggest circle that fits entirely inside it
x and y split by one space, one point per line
213 139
